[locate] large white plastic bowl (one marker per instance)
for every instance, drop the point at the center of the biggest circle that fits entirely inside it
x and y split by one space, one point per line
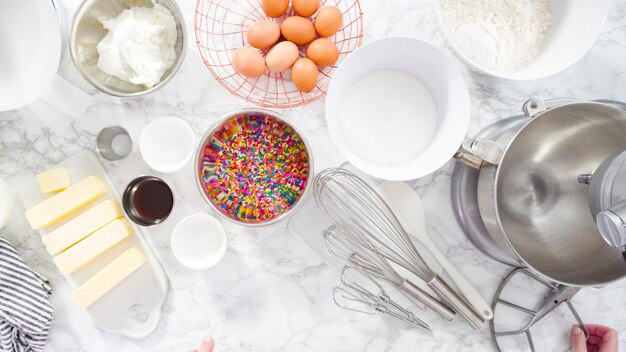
575 27
426 64
31 45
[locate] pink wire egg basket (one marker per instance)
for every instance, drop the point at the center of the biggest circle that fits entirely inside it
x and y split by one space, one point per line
221 27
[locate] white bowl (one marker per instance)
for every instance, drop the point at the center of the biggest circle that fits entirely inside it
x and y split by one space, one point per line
167 144
435 71
6 203
199 241
576 25
32 47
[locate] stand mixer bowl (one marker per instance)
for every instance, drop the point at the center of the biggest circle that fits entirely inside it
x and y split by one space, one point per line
529 200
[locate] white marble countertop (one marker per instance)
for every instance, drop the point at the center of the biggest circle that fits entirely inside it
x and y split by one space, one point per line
271 293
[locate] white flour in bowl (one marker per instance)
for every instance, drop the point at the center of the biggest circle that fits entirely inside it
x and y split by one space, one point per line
388 117
498 35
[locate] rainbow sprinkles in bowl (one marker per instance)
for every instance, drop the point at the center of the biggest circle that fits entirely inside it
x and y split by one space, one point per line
253 167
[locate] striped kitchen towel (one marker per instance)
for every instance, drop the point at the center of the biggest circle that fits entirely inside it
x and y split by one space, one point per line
25 310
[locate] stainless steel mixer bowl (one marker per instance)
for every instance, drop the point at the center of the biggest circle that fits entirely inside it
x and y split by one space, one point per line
540 205
532 204
87 31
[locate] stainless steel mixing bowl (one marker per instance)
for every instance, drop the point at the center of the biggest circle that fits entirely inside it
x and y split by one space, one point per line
210 135
87 31
529 196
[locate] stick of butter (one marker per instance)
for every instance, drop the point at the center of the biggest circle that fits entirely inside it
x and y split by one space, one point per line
62 204
81 226
109 277
53 180
93 246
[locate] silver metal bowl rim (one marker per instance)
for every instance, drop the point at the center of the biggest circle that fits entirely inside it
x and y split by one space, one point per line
179 60
497 180
218 124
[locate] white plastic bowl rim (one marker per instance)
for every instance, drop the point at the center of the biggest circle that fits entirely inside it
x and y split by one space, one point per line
575 28
428 65
33 73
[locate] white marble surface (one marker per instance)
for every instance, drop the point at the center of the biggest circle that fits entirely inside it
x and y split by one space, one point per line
271 293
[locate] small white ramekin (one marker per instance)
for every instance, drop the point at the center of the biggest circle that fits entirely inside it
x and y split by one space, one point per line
201 230
167 144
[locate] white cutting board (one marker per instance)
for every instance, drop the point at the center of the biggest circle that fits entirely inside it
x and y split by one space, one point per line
133 308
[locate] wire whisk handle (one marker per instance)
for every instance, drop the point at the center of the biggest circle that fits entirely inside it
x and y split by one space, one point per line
453 300
348 293
415 293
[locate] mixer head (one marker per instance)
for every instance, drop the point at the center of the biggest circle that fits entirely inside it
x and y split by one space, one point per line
607 198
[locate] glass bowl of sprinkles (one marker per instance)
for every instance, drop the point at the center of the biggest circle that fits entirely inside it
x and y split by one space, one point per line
253 167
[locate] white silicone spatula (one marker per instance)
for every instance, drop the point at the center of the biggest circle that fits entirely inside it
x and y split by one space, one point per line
408 207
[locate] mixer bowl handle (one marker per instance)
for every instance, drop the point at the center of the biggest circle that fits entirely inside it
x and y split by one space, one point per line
475 152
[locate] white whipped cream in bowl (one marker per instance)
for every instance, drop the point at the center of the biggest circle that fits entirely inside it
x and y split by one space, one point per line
128 48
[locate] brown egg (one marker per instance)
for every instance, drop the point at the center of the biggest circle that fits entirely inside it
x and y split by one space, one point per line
263 34
328 21
249 62
304 74
298 30
274 8
305 8
323 52
281 57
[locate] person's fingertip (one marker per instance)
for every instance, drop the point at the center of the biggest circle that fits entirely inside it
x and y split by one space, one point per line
207 345
578 339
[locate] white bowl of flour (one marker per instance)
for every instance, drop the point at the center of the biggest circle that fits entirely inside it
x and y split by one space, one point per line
522 39
397 108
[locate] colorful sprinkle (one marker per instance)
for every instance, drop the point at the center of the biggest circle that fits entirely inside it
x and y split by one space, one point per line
254 168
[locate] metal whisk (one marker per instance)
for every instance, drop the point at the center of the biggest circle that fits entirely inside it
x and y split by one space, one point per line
354 296
346 199
345 245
